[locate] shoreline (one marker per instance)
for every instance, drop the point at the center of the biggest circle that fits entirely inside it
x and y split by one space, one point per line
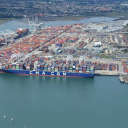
2 21
47 19
72 18
57 18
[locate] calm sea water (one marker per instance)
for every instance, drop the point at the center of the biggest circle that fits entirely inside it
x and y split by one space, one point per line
51 102
14 25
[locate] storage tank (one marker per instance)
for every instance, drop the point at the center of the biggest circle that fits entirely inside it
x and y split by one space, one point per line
106 51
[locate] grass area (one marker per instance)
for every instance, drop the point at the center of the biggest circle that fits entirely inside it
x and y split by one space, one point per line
3 20
121 46
65 18
105 56
119 15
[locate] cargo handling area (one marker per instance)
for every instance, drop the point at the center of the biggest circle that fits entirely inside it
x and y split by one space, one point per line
75 50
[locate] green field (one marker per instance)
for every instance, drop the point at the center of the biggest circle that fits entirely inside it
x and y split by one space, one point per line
65 18
105 56
3 20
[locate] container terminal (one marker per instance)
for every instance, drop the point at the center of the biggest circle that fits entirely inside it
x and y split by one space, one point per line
77 48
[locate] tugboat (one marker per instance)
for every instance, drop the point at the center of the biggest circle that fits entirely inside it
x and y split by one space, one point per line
126 80
121 79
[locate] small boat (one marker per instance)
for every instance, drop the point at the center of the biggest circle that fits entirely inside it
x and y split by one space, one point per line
126 80
121 79
4 115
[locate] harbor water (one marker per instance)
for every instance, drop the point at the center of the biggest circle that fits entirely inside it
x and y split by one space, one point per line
15 24
54 102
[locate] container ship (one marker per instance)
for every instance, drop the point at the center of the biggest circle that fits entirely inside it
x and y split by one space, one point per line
45 69
21 32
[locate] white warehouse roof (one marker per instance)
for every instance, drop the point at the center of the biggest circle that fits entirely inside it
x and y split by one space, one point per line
97 43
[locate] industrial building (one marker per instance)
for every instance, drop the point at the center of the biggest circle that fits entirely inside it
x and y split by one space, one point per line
97 44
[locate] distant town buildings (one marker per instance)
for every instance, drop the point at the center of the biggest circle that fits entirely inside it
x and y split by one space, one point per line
57 8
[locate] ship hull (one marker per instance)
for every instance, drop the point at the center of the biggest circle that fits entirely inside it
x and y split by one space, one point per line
48 73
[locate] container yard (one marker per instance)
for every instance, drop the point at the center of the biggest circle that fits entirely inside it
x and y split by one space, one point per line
67 48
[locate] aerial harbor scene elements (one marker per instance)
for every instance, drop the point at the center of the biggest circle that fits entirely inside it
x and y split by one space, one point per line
63 73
